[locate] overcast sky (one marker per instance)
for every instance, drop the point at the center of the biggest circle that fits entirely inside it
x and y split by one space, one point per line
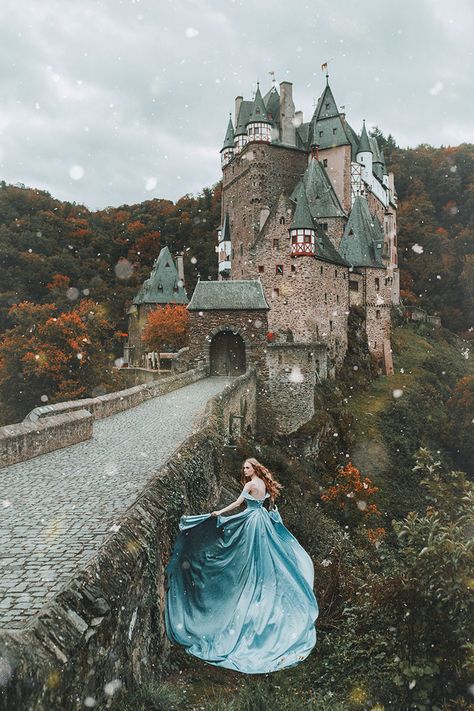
106 102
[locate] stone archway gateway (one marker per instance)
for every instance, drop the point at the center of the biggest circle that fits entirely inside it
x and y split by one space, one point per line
227 354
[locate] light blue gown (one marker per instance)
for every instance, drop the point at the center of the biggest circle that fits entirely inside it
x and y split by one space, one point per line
240 591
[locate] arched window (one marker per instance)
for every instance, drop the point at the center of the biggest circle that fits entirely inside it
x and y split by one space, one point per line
282 220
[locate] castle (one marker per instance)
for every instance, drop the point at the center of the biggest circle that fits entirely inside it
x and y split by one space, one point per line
308 229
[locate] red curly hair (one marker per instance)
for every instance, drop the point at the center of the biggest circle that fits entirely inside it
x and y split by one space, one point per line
272 485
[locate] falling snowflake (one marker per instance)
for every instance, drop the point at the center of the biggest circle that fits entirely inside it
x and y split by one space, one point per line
112 686
76 172
397 393
151 183
417 248
191 32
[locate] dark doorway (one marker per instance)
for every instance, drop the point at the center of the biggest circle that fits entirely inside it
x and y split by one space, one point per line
227 354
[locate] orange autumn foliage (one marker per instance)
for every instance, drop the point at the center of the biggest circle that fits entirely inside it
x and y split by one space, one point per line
167 327
352 492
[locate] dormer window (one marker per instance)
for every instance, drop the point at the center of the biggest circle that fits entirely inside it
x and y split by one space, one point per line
325 162
334 131
320 133
327 106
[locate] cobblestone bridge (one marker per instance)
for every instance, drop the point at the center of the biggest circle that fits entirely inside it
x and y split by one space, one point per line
57 509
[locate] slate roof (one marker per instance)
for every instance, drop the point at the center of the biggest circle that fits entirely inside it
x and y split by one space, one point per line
233 295
322 199
272 103
302 218
229 136
259 111
362 242
243 118
225 229
163 286
364 143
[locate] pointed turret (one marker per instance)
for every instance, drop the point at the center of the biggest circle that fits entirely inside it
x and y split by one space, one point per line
364 143
302 232
258 124
322 200
365 155
327 107
362 242
164 285
240 133
227 151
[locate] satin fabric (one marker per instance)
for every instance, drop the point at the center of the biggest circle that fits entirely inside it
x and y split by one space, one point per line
240 591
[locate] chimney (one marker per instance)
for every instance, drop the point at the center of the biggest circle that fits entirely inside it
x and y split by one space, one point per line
180 265
315 151
287 114
238 102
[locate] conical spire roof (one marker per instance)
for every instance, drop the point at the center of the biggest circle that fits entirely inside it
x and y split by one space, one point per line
163 285
322 199
362 242
302 218
326 107
364 143
272 102
259 112
229 136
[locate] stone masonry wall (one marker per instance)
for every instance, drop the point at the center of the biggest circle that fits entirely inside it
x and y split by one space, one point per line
253 181
30 439
312 298
378 304
105 629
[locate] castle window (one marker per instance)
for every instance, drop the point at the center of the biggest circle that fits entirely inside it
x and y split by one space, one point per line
307 237
325 298
334 131
282 220
175 289
353 285
327 106
320 133
293 268
330 326
343 275
321 269
377 314
337 298
276 244
275 293
160 288
335 272
325 162
324 226
261 268
279 269
241 249
375 344
233 252
377 284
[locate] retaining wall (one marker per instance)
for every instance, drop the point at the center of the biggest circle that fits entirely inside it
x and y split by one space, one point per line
105 629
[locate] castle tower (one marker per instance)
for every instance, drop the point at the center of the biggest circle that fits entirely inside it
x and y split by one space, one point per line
258 125
227 150
364 155
301 231
165 285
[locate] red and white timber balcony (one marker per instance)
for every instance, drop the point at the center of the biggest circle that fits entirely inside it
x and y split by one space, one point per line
302 242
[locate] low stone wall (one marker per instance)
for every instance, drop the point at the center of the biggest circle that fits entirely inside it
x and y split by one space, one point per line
51 427
105 629
29 439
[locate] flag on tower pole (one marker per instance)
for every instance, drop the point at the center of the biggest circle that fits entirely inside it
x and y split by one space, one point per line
324 66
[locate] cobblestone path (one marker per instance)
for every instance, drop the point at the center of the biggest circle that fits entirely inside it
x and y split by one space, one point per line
56 509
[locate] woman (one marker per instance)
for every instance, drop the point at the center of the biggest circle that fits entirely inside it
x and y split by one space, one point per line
241 587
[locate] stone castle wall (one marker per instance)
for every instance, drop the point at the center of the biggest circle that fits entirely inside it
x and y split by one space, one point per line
378 305
252 182
310 297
